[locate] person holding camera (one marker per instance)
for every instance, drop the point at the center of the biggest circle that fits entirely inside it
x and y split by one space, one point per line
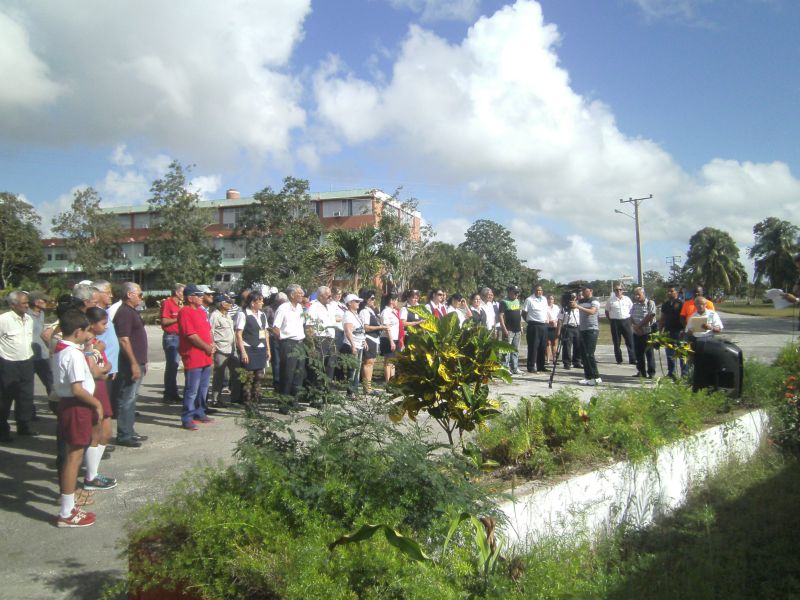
589 325
568 331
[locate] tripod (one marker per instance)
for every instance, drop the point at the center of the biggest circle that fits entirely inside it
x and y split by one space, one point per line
569 317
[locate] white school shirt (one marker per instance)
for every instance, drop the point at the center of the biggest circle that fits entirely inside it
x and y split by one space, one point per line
289 319
389 318
70 366
619 308
552 313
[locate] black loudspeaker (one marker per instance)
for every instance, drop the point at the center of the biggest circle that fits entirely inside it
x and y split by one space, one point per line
718 364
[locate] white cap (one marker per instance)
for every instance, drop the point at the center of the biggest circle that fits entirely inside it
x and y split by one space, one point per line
350 298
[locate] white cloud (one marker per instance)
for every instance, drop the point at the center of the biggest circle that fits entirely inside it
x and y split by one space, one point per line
121 157
205 186
496 116
26 81
206 80
440 10
451 231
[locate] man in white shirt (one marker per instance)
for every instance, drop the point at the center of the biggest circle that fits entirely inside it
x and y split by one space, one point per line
704 322
289 328
618 313
322 320
16 366
489 309
534 311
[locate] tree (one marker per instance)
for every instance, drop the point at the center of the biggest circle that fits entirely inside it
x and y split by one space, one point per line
181 248
450 268
776 243
20 241
713 261
282 237
497 251
92 236
397 236
654 285
359 253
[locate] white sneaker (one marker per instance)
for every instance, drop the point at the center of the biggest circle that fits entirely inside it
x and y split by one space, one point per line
586 382
598 381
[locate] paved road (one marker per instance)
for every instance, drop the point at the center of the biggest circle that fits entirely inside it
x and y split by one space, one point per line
41 561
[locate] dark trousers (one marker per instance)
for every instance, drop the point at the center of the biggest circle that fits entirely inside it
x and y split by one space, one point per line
536 337
326 350
571 347
293 366
16 386
675 335
621 330
275 362
42 368
644 353
169 342
588 345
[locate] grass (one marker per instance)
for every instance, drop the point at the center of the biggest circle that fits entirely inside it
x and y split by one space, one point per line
757 310
734 539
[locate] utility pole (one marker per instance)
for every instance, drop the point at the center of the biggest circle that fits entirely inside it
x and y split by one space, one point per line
636 202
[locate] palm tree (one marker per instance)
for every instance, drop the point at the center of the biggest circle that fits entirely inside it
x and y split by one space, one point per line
713 260
773 251
359 252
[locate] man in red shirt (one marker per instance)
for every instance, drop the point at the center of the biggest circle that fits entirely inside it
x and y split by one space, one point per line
169 324
196 348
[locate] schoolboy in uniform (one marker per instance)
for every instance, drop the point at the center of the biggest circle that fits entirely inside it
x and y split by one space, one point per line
78 410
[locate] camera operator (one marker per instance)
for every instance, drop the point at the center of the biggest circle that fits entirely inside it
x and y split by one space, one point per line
568 332
589 326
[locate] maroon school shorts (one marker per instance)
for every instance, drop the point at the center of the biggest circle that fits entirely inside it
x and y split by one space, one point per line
101 393
75 421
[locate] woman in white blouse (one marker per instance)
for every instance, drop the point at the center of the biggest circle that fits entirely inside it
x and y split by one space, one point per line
373 328
390 338
353 338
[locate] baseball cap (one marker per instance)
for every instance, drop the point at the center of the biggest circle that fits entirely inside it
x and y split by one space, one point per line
220 298
203 289
350 297
192 290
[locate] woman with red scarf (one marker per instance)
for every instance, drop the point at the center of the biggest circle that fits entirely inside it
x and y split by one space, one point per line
392 337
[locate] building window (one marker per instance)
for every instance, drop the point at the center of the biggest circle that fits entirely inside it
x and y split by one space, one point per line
361 206
49 257
141 221
231 217
61 256
124 221
314 206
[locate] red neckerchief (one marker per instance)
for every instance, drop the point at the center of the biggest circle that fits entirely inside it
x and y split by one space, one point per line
402 329
60 345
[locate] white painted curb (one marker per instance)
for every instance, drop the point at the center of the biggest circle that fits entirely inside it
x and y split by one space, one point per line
631 493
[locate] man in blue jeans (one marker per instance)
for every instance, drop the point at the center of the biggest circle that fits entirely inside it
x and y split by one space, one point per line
169 325
132 363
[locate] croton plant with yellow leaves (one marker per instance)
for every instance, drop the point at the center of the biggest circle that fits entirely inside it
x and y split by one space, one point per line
445 370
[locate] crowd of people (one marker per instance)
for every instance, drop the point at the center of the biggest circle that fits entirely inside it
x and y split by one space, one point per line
93 358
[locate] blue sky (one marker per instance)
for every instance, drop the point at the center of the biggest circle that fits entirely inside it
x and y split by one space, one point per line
539 115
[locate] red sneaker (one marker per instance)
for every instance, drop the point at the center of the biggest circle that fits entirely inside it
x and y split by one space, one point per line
77 518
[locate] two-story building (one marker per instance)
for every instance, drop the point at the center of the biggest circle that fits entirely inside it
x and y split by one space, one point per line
347 209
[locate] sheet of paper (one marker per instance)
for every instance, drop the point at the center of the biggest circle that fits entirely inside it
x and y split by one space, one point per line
696 323
776 296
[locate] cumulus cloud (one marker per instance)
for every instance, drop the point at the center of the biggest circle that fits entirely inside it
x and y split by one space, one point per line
127 183
27 85
204 79
440 10
496 115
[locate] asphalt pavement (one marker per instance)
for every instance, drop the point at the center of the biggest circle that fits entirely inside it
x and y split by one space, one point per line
41 561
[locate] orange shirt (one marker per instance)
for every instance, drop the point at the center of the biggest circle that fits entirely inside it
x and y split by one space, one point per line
689 308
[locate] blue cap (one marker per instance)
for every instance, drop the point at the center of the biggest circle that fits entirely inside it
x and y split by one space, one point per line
192 290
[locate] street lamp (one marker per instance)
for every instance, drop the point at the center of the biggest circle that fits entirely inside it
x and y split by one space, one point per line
635 217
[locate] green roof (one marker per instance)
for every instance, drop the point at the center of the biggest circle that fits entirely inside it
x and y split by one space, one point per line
340 194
